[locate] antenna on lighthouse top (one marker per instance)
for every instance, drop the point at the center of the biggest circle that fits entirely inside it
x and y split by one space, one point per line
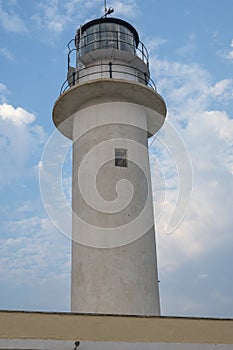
107 11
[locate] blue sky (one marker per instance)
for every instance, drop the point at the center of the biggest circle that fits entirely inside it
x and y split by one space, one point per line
191 62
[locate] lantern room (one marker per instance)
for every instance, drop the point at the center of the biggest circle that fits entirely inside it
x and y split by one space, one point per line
107 48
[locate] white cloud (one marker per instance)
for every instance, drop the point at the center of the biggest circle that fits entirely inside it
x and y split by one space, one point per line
73 6
189 47
34 256
208 134
184 86
53 17
128 8
228 54
4 91
10 20
153 44
19 138
221 125
6 53
25 207
222 89
18 115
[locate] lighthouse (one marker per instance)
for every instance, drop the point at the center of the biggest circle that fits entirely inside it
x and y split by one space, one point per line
109 107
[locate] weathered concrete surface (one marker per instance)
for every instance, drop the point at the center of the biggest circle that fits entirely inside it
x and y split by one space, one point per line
116 271
94 91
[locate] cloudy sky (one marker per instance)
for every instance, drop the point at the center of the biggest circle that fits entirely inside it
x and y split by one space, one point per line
191 62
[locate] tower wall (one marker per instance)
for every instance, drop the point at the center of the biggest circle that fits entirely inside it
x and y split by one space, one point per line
114 268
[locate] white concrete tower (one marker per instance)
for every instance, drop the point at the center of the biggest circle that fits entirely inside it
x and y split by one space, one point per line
109 107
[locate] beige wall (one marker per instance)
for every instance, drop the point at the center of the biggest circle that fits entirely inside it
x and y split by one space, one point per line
62 326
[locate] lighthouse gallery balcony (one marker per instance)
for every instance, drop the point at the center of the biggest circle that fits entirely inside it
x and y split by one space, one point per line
107 48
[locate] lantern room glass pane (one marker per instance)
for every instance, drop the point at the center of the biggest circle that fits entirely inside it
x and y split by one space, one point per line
106 35
126 40
109 35
91 38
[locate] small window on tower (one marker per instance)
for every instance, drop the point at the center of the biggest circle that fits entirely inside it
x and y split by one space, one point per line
121 157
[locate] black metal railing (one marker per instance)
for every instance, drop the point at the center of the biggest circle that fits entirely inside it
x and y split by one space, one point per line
107 71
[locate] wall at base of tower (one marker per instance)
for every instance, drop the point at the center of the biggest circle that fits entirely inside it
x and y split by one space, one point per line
120 280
